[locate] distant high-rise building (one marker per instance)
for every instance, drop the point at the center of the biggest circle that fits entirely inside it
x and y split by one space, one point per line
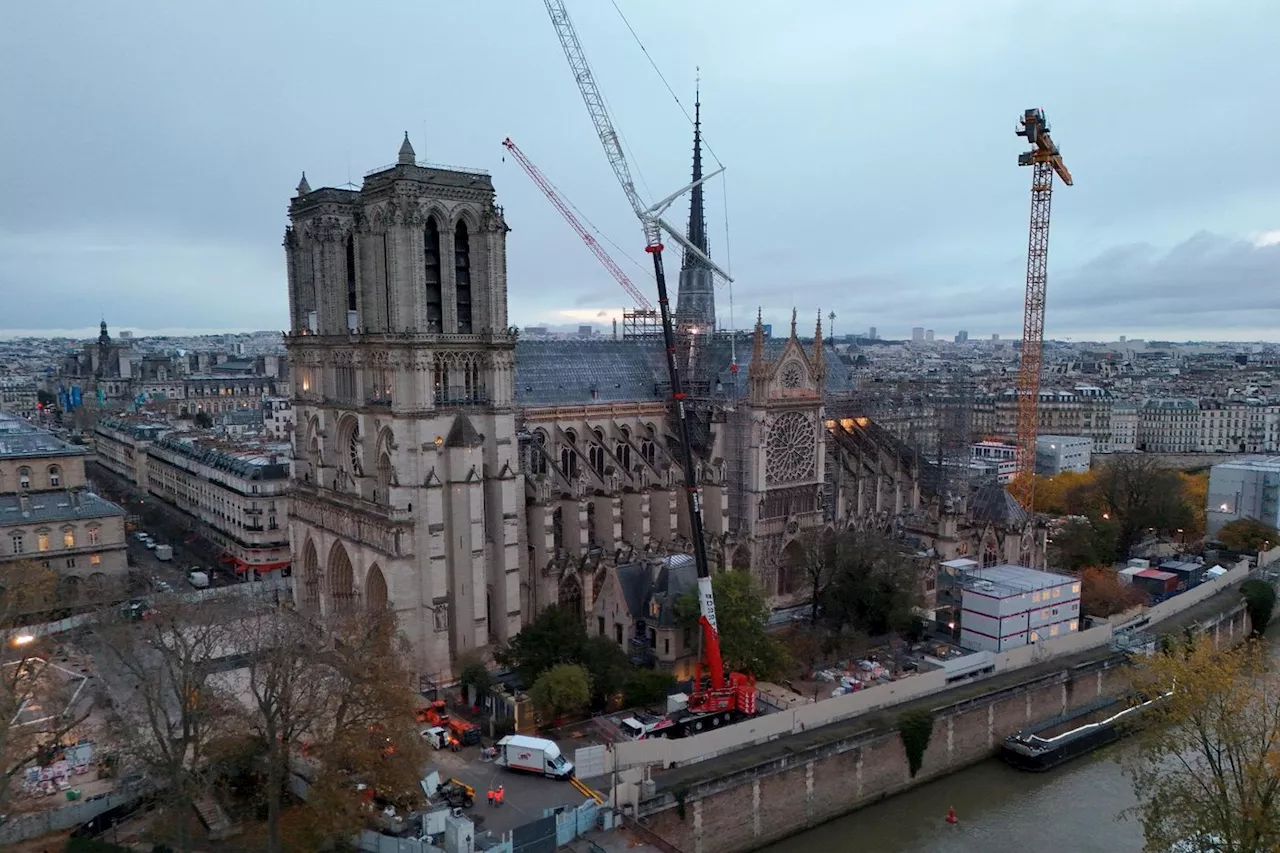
996 336
928 334
962 336
872 334
585 331
1123 338
917 334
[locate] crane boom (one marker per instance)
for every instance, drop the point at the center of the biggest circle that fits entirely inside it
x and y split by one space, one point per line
561 205
1046 161
739 693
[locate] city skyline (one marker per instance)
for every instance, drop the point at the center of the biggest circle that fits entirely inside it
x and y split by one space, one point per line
1173 241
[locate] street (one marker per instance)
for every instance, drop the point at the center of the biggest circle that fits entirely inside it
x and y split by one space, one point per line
526 796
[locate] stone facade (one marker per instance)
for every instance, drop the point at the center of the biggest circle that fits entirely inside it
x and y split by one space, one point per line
407 472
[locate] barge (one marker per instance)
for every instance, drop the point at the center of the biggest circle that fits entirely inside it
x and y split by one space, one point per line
1069 736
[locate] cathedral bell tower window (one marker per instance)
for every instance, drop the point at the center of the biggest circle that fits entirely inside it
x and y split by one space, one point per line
431 265
462 276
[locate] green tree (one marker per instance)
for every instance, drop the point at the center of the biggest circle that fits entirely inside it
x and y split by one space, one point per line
742 615
876 588
204 420
646 687
1248 535
1139 495
609 668
1082 543
476 676
562 689
1206 771
1260 599
556 635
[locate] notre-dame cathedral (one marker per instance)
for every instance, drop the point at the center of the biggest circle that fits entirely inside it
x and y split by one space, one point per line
467 478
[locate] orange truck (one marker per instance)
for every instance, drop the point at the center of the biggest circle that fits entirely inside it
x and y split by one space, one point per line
437 714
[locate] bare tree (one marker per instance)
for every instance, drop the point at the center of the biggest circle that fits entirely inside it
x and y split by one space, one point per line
40 703
170 710
290 690
823 553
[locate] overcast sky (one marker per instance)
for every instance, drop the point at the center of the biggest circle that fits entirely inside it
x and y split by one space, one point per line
150 150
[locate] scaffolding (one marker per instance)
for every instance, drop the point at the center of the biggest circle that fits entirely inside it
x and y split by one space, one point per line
641 323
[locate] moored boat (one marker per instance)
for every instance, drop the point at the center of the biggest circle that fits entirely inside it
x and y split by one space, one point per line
1053 742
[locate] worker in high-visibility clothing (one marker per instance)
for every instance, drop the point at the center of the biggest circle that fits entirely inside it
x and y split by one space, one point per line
498 795
490 792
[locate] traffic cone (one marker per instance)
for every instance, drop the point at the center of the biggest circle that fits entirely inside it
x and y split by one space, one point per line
951 815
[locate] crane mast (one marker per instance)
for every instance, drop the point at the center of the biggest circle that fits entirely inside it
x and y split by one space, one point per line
651 220
561 205
1046 161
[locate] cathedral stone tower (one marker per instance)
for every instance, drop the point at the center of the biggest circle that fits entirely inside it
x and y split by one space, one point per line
406 466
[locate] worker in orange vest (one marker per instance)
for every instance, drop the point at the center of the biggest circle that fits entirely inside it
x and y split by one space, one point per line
491 796
498 795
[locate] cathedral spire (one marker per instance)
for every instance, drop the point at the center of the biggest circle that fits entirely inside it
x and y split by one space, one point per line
407 155
758 367
819 360
793 322
696 299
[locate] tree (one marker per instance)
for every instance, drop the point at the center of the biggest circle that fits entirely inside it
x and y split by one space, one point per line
1082 543
1260 599
556 635
876 589
1248 535
1102 594
823 553
368 733
289 690
1139 495
170 711
1062 494
647 686
475 675
1195 494
1206 769
608 667
27 680
564 688
45 399
742 615
204 420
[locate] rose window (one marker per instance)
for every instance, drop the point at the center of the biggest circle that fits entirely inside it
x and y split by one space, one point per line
791 449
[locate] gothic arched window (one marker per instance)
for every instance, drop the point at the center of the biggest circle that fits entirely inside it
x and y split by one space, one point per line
569 455
431 265
537 451
351 272
462 276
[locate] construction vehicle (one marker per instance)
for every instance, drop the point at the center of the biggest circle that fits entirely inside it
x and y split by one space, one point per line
437 715
456 793
467 734
718 700
1046 160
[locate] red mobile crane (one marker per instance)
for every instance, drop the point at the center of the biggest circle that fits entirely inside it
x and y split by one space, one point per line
719 699
553 195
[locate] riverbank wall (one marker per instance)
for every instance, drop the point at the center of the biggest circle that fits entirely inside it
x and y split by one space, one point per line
747 799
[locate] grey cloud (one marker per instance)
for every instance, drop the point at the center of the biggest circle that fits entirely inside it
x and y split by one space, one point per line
869 148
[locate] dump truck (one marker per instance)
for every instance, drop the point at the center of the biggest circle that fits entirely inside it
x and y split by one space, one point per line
533 755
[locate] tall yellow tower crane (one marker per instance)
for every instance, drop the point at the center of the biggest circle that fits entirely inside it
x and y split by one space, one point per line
1046 161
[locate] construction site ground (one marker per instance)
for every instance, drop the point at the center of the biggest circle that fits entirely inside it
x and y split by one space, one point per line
876 721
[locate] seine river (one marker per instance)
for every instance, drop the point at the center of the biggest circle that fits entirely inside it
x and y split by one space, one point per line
1074 807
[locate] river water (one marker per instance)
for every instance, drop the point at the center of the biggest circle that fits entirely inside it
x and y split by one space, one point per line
1074 807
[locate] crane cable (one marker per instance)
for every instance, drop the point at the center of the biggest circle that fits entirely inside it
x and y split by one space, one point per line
662 77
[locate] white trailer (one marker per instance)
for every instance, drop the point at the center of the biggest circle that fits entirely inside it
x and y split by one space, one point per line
533 755
164 552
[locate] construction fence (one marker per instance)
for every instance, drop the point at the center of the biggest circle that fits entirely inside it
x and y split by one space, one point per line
35 824
758 730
